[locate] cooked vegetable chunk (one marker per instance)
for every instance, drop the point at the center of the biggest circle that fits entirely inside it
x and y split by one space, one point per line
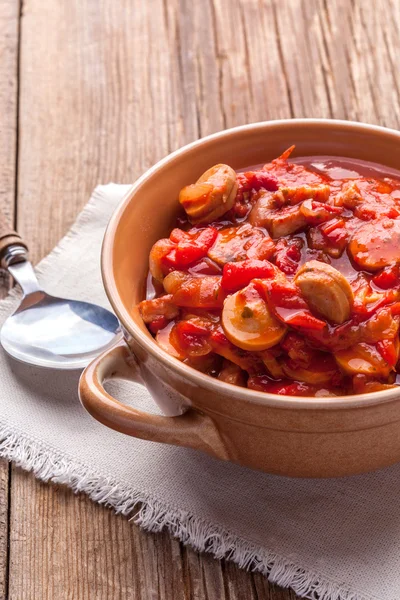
376 245
233 374
200 292
285 221
233 243
211 196
363 358
157 265
248 323
326 290
158 307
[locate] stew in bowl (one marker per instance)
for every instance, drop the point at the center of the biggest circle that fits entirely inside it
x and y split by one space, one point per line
284 277
281 279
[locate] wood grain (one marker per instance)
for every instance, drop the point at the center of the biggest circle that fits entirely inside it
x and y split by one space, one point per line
9 36
106 89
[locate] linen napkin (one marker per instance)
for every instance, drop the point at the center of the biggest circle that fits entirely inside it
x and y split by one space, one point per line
335 539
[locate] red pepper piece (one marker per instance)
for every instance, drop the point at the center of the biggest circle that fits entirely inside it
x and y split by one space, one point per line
335 232
284 387
249 182
257 180
188 252
236 276
395 308
305 320
339 236
387 278
367 310
289 307
219 338
393 213
283 294
331 225
207 237
333 210
387 349
288 255
262 250
169 260
205 266
190 249
158 323
178 235
192 338
318 212
192 328
285 155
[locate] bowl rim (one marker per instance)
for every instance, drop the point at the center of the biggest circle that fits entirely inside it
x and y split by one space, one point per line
196 377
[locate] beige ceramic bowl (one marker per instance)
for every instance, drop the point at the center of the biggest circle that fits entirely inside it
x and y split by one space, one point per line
305 437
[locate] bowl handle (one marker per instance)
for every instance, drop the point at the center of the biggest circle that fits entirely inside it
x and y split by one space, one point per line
192 429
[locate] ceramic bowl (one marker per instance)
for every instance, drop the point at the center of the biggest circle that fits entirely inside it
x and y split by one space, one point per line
294 436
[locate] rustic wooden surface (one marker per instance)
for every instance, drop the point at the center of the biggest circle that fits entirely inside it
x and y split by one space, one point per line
98 90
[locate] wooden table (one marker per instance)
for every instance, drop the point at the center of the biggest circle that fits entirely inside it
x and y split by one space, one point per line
94 91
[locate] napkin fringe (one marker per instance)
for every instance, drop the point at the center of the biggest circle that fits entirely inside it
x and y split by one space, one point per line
152 515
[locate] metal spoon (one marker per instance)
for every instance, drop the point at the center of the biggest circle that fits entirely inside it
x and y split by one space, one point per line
49 331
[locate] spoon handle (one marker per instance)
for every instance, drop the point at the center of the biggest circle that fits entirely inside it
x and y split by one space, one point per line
12 248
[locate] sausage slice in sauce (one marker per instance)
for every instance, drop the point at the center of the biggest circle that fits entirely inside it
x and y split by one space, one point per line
376 244
325 290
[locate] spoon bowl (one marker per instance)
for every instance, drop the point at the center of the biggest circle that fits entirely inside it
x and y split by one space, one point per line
53 332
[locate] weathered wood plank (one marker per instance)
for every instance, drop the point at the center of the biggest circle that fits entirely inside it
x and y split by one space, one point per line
106 89
9 36
68 547
4 513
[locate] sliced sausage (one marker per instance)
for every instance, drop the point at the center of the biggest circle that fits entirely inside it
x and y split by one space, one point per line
376 244
211 196
326 290
233 374
248 323
362 358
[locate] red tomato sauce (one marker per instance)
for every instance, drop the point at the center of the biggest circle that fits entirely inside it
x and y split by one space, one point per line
284 277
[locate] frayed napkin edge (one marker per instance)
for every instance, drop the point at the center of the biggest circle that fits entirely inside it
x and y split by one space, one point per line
153 516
